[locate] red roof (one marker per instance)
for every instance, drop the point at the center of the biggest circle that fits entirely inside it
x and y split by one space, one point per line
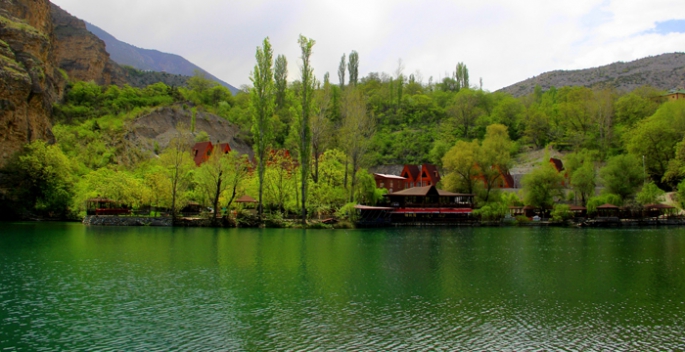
411 172
201 152
557 164
432 172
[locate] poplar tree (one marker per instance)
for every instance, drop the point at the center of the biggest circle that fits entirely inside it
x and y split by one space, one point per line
353 67
357 130
280 79
462 76
341 71
306 45
262 109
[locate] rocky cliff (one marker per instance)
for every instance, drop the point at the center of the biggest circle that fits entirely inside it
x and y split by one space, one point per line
82 54
29 77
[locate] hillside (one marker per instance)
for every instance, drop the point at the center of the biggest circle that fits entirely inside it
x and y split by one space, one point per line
664 71
150 60
159 126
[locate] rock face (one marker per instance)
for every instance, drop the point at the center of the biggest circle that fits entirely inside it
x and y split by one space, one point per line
82 54
29 79
159 127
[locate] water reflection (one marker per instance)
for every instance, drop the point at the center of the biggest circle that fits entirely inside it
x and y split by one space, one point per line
69 287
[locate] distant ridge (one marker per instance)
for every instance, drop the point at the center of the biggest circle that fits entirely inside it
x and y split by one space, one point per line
663 71
150 60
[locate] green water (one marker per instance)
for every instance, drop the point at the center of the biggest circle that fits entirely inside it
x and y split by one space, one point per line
66 287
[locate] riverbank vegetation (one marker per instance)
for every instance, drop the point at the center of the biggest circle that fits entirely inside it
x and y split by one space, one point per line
314 142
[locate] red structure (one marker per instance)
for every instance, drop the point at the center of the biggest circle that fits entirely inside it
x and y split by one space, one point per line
559 166
203 150
420 176
505 180
390 182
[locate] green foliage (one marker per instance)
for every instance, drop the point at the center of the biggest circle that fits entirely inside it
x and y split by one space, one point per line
606 198
681 194
40 181
202 136
493 211
622 175
561 212
542 186
262 108
347 212
649 194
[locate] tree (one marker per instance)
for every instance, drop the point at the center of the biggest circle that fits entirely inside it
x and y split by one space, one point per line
494 158
306 45
462 76
177 164
649 194
636 106
40 180
461 169
341 71
656 137
262 109
357 130
280 80
622 175
542 186
353 67
212 177
464 111
321 127
580 168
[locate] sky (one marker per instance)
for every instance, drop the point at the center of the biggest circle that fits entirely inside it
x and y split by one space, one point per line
501 42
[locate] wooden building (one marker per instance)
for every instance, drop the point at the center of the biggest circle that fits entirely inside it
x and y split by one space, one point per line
203 150
418 206
675 94
390 182
103 206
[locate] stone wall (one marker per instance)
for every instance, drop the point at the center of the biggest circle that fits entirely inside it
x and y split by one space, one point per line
125 221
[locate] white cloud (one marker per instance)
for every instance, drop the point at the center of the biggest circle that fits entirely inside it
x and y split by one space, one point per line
500 41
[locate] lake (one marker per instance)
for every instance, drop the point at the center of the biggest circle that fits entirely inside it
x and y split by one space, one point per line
65 286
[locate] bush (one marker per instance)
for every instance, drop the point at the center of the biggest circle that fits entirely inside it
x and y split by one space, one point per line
562 212
522 219
347 212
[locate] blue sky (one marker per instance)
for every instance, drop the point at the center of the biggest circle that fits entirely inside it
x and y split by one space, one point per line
500 41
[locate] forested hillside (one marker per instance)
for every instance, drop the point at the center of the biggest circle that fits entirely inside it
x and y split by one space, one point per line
318 138
665 71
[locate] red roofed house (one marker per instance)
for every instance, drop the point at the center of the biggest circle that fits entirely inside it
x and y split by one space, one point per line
420 176
203 150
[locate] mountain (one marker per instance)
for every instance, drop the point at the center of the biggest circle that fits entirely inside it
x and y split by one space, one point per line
150 60
665 71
